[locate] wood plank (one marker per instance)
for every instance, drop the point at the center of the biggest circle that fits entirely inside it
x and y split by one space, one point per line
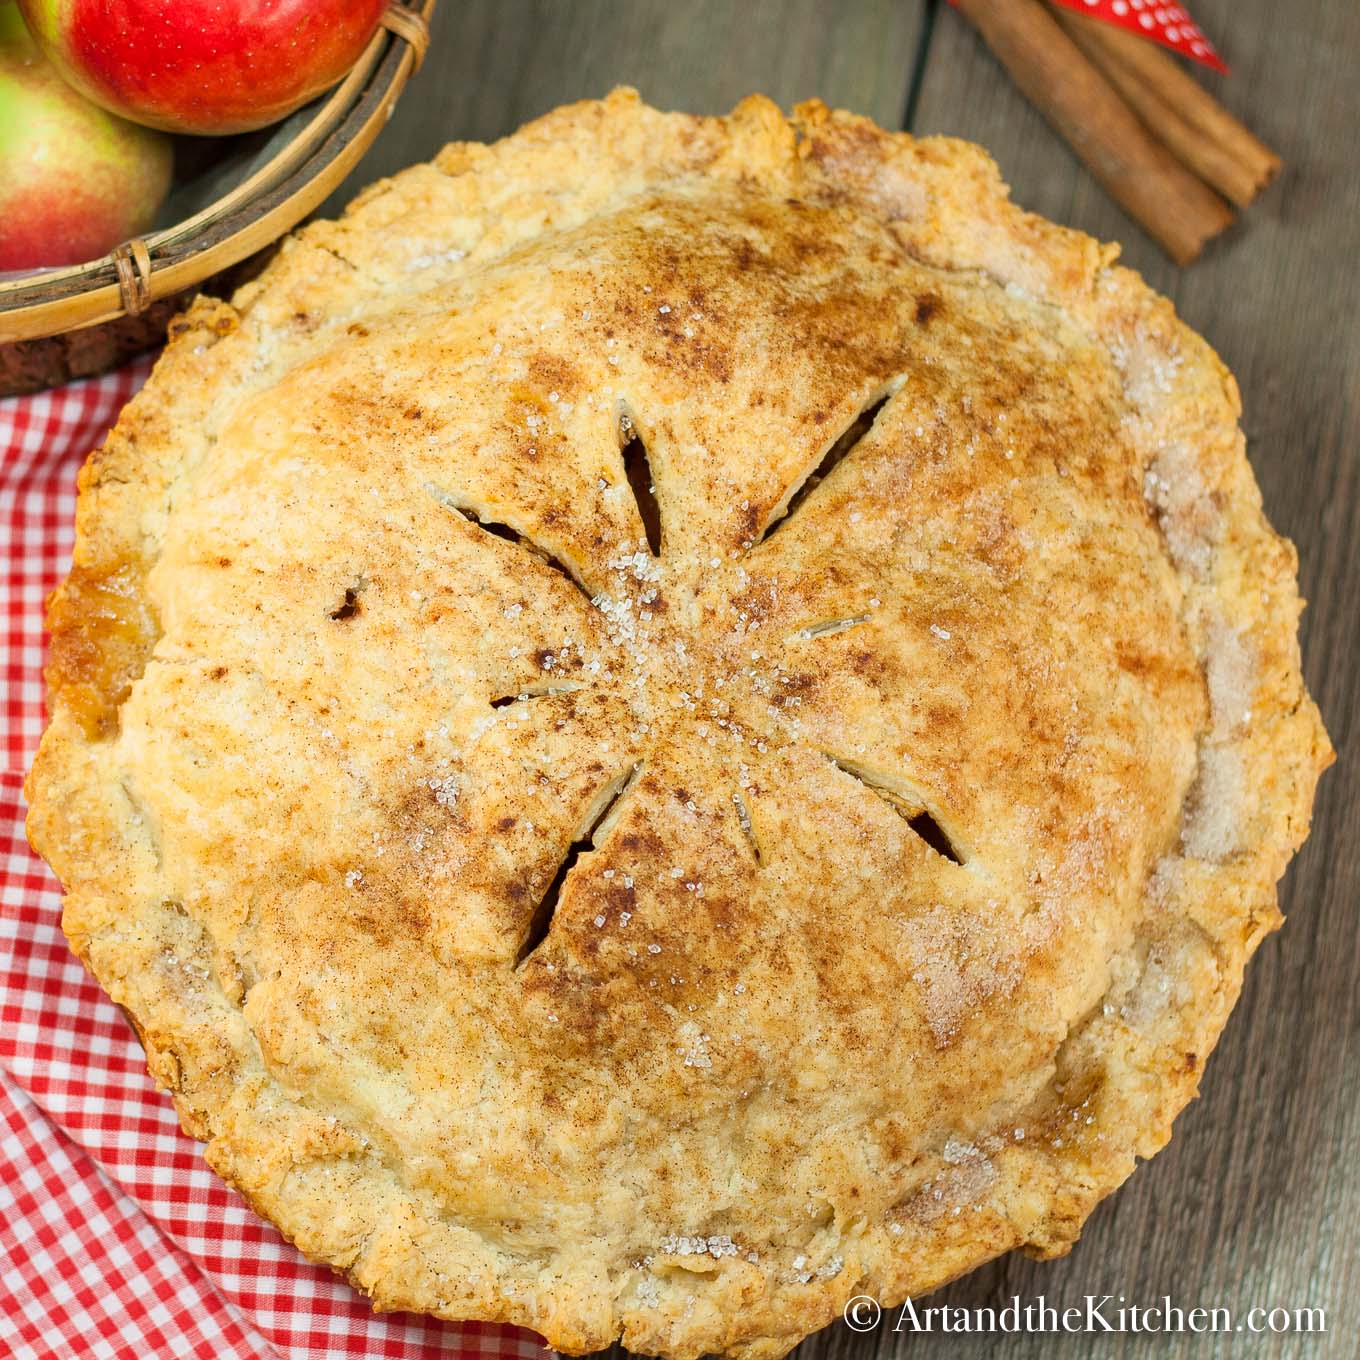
1256 1201
494 64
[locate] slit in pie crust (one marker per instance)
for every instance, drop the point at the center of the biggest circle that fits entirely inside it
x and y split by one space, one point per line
675 720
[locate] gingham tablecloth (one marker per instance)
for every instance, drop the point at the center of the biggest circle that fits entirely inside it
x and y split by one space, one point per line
115 1238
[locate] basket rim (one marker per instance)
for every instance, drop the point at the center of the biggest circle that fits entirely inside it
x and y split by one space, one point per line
252 215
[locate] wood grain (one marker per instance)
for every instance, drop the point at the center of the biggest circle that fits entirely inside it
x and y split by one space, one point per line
1256 1202
494 64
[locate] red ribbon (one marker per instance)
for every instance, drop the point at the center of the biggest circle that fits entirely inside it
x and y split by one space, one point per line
1168 24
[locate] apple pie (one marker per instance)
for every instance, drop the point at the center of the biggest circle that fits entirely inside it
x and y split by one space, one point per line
676 720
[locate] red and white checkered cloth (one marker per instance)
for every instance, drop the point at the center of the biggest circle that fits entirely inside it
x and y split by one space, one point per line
115 1239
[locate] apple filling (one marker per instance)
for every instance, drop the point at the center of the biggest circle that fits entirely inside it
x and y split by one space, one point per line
103 630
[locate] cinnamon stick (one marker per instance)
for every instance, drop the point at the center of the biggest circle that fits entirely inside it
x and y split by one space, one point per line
1178 209
1177 109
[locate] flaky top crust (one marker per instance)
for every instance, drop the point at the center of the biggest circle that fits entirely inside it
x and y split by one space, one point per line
928 785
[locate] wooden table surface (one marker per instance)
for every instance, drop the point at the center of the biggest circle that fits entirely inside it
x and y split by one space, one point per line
1256 1202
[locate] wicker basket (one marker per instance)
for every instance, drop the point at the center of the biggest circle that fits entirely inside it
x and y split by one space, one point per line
64 323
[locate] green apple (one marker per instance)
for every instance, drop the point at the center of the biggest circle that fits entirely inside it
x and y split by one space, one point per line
74 180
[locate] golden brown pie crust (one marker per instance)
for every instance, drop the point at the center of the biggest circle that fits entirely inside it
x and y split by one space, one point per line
772 1046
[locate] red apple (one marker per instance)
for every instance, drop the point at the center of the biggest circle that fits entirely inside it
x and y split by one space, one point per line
204 66
74 180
